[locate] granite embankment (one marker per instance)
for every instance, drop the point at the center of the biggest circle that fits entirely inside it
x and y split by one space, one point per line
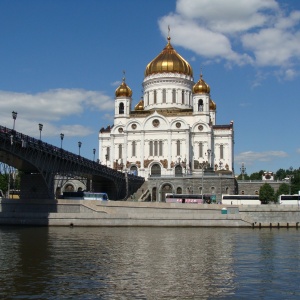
125 213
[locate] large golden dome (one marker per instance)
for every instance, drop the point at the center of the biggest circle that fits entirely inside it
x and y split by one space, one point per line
123 90
169 61
201 87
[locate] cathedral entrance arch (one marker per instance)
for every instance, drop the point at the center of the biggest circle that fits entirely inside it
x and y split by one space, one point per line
156 170
134 170
166 188
178 170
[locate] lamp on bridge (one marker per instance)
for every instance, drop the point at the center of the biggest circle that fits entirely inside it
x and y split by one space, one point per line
94 152
40 129
79 146
14 116
61 139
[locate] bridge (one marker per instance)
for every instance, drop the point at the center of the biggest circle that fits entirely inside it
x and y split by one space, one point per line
41 164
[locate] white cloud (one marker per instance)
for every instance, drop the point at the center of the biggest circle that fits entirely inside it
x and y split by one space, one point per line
256 32
228 16
51 107
250 157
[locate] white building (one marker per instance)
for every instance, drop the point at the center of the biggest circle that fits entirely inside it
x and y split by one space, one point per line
172 130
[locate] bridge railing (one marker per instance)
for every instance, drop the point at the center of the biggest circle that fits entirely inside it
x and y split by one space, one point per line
28 141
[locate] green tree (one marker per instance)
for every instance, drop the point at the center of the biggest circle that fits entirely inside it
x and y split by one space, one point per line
266 193
283 189
257 175
280 174
240 177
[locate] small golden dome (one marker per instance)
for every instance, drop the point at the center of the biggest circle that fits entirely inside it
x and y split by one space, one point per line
212 105
123 90
140 105
169 61
201 87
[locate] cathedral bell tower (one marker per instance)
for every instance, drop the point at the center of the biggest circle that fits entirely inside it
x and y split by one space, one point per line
202 104
123 100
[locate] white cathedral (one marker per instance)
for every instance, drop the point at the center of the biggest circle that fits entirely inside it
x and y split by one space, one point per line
172 131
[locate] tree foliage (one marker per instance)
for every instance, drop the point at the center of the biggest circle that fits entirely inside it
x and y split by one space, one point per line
266 193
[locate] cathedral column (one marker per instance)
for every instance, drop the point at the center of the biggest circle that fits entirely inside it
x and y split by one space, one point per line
169 149
187 148
124 158
112 151
142 157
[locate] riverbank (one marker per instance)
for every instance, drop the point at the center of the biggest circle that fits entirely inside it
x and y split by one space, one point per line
151 214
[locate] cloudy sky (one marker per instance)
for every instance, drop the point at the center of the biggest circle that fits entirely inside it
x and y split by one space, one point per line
62 60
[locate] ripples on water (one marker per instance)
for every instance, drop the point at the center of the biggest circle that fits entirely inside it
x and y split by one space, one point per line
148 263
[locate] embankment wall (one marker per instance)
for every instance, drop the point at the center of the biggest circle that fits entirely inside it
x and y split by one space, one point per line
125 213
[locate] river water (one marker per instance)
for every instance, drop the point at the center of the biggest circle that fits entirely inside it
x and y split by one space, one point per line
149 263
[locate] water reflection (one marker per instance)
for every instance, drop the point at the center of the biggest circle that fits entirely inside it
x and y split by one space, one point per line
148 263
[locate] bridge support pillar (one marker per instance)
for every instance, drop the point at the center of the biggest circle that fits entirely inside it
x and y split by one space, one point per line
34 186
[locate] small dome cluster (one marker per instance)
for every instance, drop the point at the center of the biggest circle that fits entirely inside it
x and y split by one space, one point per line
169 61
123 90
212 105
140 105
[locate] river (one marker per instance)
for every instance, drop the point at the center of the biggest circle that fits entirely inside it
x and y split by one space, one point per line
149 263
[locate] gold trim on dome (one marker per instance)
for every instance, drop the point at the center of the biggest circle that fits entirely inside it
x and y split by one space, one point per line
169 61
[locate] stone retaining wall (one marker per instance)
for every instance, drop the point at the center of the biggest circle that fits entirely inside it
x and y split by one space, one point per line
120 213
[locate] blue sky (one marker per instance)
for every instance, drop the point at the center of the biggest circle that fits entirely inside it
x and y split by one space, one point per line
62 60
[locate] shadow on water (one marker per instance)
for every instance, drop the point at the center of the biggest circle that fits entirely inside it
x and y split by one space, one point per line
148 263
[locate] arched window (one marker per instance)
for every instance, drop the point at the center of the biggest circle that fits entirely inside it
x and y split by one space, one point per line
133 148
121 108
147 98
182 96
179 190
221 151
151 148
200 105
120 151
178 147
107 156
173 96
178 170
164 96
160 148
155 170
200 149
155 97
155 148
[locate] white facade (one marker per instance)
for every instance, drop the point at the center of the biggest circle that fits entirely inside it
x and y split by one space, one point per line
172 130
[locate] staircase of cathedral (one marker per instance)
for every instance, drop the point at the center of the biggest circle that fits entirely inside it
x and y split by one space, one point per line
141 194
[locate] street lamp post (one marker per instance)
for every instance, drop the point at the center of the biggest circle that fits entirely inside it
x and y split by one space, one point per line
61 139
106 157
40 129
208 157
94 152
243 171
79 146
14 116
